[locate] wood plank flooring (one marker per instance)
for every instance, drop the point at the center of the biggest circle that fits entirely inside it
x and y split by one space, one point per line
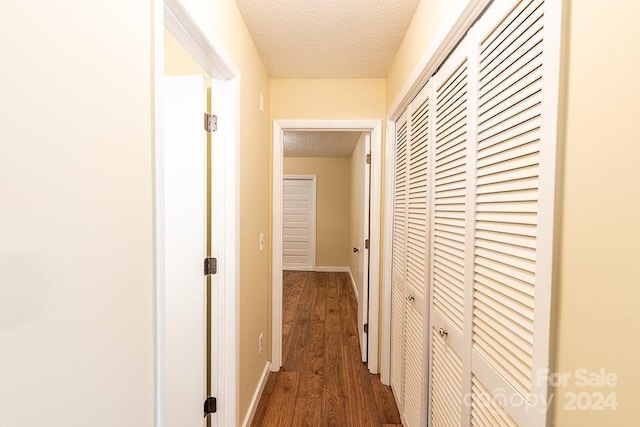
322 381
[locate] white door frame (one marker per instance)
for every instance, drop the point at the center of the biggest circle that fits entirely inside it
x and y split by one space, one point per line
279 127
225 102
313 220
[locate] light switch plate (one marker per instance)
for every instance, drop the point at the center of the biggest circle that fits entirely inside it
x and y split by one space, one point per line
261 242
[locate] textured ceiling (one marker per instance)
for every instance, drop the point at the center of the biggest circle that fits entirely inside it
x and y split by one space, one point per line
327 38
320 143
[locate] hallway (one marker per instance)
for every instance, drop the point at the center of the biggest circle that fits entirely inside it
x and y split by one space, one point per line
322 380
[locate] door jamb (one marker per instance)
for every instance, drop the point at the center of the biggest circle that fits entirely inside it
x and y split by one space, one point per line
375 127
225 101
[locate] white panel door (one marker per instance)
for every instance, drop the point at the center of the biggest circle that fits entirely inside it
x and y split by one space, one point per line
299 222
183 227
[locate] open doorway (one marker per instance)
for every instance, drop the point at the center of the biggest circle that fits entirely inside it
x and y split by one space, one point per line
346 231
195 218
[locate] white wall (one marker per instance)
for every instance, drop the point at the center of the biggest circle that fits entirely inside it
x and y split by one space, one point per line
76 249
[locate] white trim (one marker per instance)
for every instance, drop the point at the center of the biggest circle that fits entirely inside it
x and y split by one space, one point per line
375 202
353 284
225 102
314 221
158 203
207 52
276 250
290 268
255 400
385 353
279 126
330 269
455 26
549 194
225 238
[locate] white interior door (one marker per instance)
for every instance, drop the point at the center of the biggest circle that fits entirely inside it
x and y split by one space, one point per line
182 219
363 255
299 222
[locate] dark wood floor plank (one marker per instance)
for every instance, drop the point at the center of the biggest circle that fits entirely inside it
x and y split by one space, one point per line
319 299
261 410
282 400
332 311
308 412
323 381
271 382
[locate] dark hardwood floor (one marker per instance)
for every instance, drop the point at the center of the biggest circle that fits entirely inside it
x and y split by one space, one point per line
322 381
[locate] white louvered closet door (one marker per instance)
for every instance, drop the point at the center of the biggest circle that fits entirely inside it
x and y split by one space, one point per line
516 115
417 255
398 275
475 165
448 333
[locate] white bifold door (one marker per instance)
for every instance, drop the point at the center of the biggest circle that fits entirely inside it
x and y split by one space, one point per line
471 291
299 222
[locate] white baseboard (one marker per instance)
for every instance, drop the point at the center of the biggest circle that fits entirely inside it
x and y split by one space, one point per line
296 268
332 269
256 396
353 283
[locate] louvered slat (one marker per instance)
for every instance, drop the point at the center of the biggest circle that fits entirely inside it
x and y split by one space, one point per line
413 390
418 182
397 343
400 203
399 255
446 384
508 166
450 187
485 410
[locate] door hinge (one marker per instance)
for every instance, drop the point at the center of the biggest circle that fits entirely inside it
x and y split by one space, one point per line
210 122
366 328
368 159
210 266
210 406
366 244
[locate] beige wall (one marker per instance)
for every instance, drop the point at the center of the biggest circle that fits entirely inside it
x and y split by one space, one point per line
76 222
357 163
599 319
332 205
328 99
428 23
177 61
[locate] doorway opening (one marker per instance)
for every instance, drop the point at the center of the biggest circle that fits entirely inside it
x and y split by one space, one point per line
370 137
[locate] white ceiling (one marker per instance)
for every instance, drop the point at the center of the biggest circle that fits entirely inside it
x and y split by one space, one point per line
327 38
320 143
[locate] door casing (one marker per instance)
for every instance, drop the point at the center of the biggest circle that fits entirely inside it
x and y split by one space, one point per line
375 128
224 231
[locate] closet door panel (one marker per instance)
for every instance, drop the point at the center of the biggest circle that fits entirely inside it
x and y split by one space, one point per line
448 242
509 310
417 256
399 251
